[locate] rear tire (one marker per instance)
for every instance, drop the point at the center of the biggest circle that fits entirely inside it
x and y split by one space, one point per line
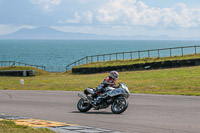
120 106
83 106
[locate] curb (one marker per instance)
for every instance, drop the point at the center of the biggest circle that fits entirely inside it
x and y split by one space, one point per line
58 127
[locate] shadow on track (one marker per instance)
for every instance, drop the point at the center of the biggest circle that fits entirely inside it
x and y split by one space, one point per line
100 113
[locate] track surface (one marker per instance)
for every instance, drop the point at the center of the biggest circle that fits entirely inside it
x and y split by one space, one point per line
145 114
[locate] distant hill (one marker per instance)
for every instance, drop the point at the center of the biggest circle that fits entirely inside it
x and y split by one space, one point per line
50 33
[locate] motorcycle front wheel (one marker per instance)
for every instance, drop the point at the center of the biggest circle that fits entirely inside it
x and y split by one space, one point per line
83 106
119 106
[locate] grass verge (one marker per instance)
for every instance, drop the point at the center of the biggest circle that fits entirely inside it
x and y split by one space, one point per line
177 81
7 126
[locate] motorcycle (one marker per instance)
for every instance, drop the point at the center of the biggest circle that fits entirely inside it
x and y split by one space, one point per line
116 97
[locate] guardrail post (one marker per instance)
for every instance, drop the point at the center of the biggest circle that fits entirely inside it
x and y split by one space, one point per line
182 51
91 58
170 50
86 59
139 54
131 55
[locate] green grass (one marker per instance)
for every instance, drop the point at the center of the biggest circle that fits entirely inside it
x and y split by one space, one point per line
137 61
10 127
177 81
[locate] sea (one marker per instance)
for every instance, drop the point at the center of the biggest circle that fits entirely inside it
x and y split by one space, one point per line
64 52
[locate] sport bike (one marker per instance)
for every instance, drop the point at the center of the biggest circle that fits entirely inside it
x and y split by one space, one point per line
116 97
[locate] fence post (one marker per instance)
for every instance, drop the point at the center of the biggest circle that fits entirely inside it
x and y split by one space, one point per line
195 48
116 56
158 53
86 59
110 57
103 57
131 55
123 55
182 50
148 53
170 52
139 54
97 58
91 58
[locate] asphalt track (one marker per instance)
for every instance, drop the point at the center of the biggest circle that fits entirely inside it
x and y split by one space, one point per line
145 114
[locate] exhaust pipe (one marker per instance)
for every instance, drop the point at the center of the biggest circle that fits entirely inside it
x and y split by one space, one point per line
81 95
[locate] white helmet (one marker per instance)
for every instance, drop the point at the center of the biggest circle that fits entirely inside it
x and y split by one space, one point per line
114 75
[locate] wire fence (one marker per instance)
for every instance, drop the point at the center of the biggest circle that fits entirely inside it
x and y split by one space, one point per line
55 69
165 52
15 63
45 68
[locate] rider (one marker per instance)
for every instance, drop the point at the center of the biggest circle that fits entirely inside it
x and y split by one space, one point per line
108 81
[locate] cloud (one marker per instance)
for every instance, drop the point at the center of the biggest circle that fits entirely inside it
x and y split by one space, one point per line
89 16
133 12
75 20
46 4
84 18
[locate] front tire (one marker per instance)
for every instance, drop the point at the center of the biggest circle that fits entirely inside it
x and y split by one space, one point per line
119 106
83 106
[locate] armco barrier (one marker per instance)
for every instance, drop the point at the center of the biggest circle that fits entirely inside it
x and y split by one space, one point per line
20 73
135 67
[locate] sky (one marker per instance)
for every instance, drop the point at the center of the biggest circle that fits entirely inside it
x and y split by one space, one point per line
175 18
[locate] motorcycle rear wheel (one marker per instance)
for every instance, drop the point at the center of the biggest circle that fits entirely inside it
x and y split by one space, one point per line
119 106
83 106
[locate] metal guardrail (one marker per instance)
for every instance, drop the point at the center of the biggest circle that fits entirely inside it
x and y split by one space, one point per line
169 52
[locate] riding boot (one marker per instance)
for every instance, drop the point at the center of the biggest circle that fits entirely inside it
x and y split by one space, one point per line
98 100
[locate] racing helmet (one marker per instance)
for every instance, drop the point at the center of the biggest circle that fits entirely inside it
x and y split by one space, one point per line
114 75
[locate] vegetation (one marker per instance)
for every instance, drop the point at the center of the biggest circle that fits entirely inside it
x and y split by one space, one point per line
177 81
138 61
10 127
